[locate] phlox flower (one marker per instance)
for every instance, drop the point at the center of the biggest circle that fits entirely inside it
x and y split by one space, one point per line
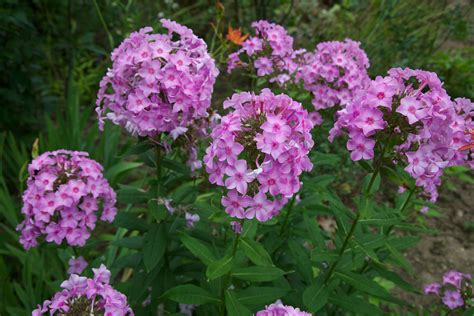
158 83
334 72
238 176
76 265
411 109
260 160
361 147
454 278
64 191
86 297
432 288
270 51
453 299
280 309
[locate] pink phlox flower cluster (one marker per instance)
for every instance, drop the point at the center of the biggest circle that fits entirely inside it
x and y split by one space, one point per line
87 296
279 309
455 290
334 72
77 265
270 52
158 82
412 107
65 191
258 152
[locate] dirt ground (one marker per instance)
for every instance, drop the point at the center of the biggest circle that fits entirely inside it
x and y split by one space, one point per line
452 248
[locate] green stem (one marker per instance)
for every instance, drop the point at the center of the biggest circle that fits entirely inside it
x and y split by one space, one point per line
158 162
104 25
343 248
285 223
402 208
389 230
226 279
405 204
356 221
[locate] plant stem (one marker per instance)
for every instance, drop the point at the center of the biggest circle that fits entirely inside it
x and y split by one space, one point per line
356 221
104 25
226 279
343 248
389 230
290 208
402 208
158 162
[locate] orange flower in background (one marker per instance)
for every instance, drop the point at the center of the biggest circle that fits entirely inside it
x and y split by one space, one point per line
471 145
235 36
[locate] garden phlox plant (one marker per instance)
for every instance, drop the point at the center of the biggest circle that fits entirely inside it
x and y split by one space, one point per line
86 296
159 83
410 109
258 152
270 52
65 191
455 291
334 72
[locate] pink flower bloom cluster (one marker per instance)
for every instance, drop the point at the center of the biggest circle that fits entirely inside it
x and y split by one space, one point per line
334 72
158 82
84 296
62 199
270 52
455 291
279 309
77 265
408 107
258 152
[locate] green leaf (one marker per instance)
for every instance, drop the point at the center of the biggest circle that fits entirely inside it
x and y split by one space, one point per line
255 252
258 274
130 221
155 246
249 229
321 159
129 242
157 210
367 251
395 278
315 296
380 220
366 285
131 195
198 248
233 306
190 294
354 304
405 242
375 185
175 166
364 164
303 263
219 268
121 168
469 312
314 232
260 296
398 256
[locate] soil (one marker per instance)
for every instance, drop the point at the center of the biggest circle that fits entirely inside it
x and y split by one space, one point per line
452 248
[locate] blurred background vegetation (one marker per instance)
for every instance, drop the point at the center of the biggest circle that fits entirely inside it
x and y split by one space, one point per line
54 53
